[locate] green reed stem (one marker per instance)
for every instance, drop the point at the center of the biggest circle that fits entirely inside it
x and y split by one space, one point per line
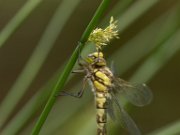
170 129
17 20
67 70
35 62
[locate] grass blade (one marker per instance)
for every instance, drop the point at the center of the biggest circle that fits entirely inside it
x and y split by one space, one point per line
134 12
170 129
36 60
17 20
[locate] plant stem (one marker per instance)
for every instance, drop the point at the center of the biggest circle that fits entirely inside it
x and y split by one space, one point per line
17 20
64 76
170 129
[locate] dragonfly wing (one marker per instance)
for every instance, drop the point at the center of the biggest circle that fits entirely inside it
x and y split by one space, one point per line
123 117
110 110
137 94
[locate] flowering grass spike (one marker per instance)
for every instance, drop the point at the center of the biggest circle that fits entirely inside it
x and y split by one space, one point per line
101 37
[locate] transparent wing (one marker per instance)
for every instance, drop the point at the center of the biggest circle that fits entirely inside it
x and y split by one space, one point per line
118 114
110 110
137 94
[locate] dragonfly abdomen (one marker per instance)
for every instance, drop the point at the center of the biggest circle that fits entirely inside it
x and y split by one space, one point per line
101 106
101 84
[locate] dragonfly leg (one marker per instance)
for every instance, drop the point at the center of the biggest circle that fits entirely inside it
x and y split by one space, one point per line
76 95
78 71
80 58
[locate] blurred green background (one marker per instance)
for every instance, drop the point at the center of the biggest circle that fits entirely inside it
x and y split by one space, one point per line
38 36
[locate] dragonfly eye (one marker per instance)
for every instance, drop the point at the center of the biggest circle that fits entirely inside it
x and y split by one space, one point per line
96 55
96 59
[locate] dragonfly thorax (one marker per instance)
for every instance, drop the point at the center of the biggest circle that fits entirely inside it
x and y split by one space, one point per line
97 70
96 60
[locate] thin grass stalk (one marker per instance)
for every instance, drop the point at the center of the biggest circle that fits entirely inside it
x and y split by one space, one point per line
129 16
170 129
134 12
117 10
17 20
8 30
157 58
153 64
64 76
89 124
168 30
160 56
21 118
36 60
158 61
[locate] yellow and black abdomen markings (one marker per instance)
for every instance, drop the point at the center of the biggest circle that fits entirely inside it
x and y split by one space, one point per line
101 106
101 83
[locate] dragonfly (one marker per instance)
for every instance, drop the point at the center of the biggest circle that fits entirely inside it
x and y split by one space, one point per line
107 89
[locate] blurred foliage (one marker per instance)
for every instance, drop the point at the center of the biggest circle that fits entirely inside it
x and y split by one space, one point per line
37 38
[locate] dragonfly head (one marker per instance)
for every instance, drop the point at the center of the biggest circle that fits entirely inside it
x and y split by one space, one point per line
97 59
